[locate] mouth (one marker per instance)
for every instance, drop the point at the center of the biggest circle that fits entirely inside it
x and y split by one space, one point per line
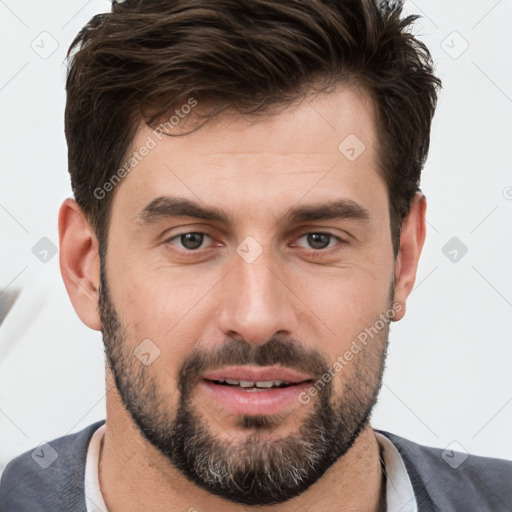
254 386
256 390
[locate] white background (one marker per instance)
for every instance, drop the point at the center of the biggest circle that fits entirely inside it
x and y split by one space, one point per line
448 375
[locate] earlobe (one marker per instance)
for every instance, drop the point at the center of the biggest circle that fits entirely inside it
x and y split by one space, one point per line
412 239
79 262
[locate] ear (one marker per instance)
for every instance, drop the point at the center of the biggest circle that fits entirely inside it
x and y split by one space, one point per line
412 239
80 262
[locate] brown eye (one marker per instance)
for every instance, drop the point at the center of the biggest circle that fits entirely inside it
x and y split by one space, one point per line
319 241
190 241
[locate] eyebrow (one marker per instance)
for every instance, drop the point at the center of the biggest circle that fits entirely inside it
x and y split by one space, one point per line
167 207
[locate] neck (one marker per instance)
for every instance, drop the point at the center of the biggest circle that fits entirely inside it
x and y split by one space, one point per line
134 476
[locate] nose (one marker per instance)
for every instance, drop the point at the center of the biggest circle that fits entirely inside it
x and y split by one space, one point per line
256 301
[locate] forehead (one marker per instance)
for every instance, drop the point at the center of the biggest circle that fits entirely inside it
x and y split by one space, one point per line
320 146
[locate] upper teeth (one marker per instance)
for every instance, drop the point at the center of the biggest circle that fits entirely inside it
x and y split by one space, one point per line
248 384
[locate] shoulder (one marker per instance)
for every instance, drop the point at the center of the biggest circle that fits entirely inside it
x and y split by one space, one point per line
49 477
453 479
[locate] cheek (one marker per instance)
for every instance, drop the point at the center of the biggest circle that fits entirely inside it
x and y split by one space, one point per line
349 296
344 305
168 308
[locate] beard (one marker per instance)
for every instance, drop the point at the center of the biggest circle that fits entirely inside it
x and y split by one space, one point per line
260 469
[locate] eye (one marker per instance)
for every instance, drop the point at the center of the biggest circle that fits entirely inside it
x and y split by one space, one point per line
189 241
194 241
319 241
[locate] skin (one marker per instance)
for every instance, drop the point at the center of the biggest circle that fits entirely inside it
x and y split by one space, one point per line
256 172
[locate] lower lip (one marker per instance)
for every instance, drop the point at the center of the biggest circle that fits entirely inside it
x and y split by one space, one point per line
240 401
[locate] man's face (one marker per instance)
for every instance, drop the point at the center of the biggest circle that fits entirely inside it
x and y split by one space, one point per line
271 292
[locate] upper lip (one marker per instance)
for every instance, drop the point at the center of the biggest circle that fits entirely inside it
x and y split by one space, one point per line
258 374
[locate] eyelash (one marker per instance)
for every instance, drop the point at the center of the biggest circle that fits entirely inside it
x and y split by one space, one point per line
314 252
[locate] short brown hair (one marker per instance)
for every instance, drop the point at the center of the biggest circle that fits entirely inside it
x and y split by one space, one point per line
147 57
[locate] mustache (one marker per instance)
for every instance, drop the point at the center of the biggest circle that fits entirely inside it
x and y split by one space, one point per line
275 352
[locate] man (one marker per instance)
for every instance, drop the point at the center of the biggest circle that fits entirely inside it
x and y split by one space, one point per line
247 222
